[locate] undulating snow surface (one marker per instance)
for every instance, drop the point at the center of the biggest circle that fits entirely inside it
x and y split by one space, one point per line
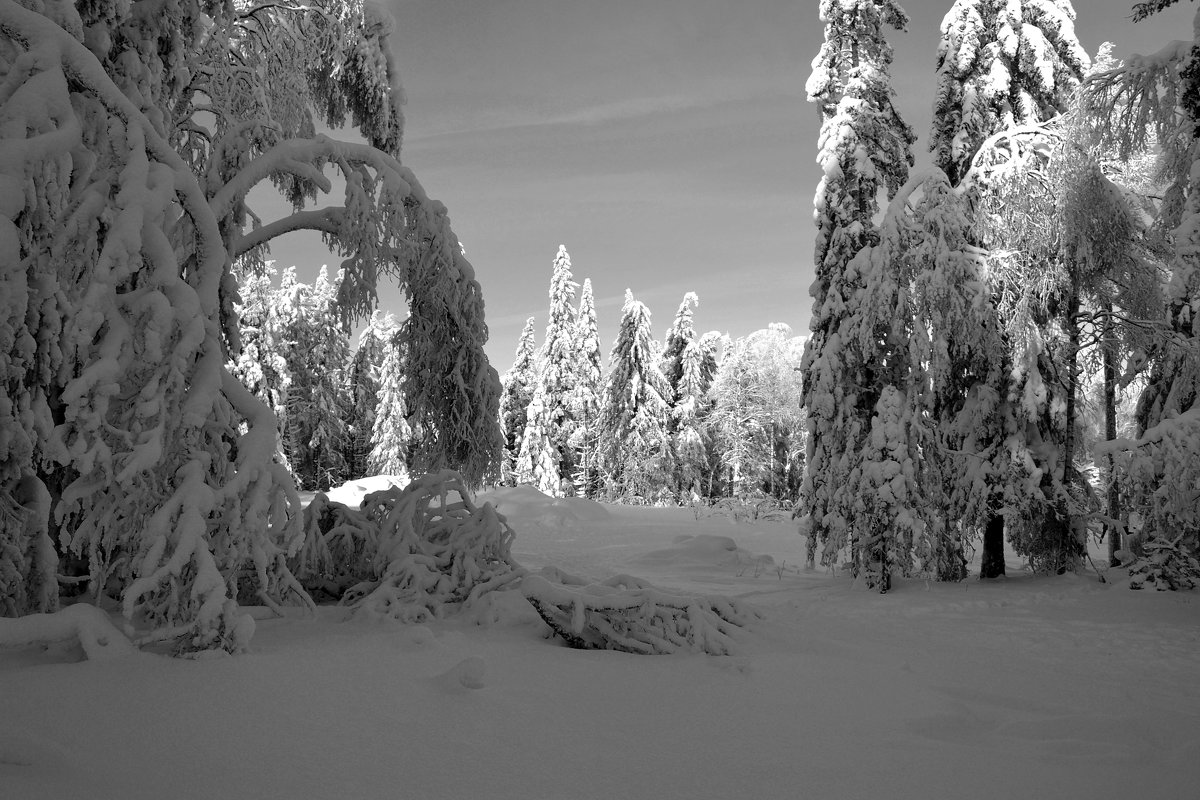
1027 688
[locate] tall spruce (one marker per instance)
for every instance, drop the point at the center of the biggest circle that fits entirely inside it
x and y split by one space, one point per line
585 402
391 434
557 363
517 388
679 337
363 378
864 147
635 447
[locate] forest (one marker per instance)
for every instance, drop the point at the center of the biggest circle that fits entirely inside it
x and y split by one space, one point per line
1003 349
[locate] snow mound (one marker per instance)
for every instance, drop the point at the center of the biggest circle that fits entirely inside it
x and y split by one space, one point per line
529 506
466 674
352 493
704 550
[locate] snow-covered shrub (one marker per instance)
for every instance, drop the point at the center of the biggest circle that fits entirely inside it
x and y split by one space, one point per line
1167 564
435 550
340 544
627 614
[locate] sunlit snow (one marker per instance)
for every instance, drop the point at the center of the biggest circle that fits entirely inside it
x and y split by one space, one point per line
1055 687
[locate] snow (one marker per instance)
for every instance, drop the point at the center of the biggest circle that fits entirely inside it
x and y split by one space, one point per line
1041 687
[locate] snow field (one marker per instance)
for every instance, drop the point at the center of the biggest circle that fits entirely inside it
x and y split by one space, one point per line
1035 687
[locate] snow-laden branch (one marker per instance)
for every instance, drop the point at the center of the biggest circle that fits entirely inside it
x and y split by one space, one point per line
326 220
299 157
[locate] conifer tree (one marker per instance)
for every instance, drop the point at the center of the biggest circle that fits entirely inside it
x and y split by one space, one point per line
693 438
680 336
314 348
538 460
517 388
864 147
363 386
557 361
585 402
1003 64
391 434
635 448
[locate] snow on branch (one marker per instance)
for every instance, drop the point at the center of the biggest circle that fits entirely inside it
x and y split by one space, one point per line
630 615
422 550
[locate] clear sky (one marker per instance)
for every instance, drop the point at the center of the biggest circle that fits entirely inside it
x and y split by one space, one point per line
667 143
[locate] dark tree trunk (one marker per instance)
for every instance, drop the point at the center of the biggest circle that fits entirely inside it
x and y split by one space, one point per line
992 565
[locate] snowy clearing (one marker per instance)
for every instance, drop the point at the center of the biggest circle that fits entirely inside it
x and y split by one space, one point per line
1036 687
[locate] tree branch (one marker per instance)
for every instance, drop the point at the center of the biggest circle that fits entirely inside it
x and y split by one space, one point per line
326 220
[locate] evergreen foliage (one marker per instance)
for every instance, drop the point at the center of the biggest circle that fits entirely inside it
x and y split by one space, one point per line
585 401
391 434
635 448
517 387
557 366
864 147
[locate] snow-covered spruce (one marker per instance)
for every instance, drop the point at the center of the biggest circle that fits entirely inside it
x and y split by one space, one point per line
436 550
586 396
864 147
1166 564
627 614
636 454
517 388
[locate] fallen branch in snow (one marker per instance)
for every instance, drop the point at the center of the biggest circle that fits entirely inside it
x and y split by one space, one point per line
434 548
89 625
627 614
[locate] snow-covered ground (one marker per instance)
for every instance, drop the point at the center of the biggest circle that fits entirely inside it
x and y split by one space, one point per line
1029 688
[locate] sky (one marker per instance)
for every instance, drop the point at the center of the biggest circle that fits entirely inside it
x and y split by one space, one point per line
667 143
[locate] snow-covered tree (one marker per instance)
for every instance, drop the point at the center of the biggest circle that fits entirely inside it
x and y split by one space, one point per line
1155 100
391 434
1001 64
134 133
538 459
681 333
756 414
518 385
316 405
864 148
1004 65
557 361
693 440
634 445
585 401
363 384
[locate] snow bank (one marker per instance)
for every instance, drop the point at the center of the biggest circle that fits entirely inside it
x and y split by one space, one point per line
525 504
90 626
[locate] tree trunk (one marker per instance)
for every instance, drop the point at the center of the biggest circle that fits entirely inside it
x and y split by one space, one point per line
1110 433
992 565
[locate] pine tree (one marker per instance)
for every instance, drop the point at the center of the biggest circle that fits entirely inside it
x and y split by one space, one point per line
363 386
693 438
518 385
635 448
391 434
585 402
557 362
538 460
680 336
864 147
